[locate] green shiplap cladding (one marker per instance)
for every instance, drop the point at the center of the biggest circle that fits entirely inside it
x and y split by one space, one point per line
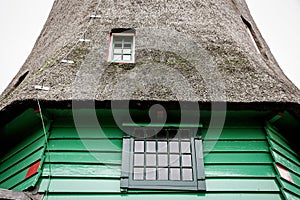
84 162
84 157
88 144
15 164
208 196
287 158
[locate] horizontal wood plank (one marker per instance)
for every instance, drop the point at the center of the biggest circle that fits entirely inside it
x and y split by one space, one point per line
84 157
241 185
85 145
184 196
80 185
113 186
85 132
237 158
234 134
240 171
235 146
82 170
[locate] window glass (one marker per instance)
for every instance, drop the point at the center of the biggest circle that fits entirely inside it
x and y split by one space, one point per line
187 174
150 160
185 147
162 147
122 47
162 160
166 159
174 147
174 160
138 173
139 146
186 160
150 174
162 173
175 174
139 160
151 146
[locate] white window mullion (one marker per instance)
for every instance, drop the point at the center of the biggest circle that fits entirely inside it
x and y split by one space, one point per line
122 47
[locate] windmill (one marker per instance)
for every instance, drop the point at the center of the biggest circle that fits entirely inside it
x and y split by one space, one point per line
134 99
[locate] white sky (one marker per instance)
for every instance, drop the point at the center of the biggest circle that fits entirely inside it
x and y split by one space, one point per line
21 22
278 21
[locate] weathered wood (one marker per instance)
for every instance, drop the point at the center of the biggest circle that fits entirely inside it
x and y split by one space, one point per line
16 195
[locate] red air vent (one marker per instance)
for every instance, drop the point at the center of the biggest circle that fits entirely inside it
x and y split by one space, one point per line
284 173
33 169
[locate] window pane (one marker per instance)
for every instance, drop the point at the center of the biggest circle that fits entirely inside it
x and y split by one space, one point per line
150 174
187 174
156 161
185 147
118 45
127 46
117 57
162 173
162 147
139 160
174 160
150 146
118 38
174 147
162 160
126 51
117 51
139 146
175 174
138 174
151 160
127 38
186 160
127 57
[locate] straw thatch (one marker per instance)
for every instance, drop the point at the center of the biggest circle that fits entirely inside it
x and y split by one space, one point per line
190 50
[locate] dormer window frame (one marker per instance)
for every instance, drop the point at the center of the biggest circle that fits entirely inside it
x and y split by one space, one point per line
122 43
184 154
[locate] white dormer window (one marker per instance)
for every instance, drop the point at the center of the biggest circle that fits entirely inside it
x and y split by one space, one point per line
122 47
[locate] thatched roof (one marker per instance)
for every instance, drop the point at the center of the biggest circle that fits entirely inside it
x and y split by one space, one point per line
185 51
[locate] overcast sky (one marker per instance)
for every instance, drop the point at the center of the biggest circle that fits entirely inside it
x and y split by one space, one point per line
21 22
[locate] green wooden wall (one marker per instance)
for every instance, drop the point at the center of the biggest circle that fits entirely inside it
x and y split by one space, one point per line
84 162
240 166
14 166
287 159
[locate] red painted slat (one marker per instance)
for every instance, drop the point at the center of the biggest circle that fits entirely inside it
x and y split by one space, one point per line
33 169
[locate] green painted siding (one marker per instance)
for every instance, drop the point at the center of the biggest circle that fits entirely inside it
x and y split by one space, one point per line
86 165
82 160
239 161
284 156
208 196
85 162
15 164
